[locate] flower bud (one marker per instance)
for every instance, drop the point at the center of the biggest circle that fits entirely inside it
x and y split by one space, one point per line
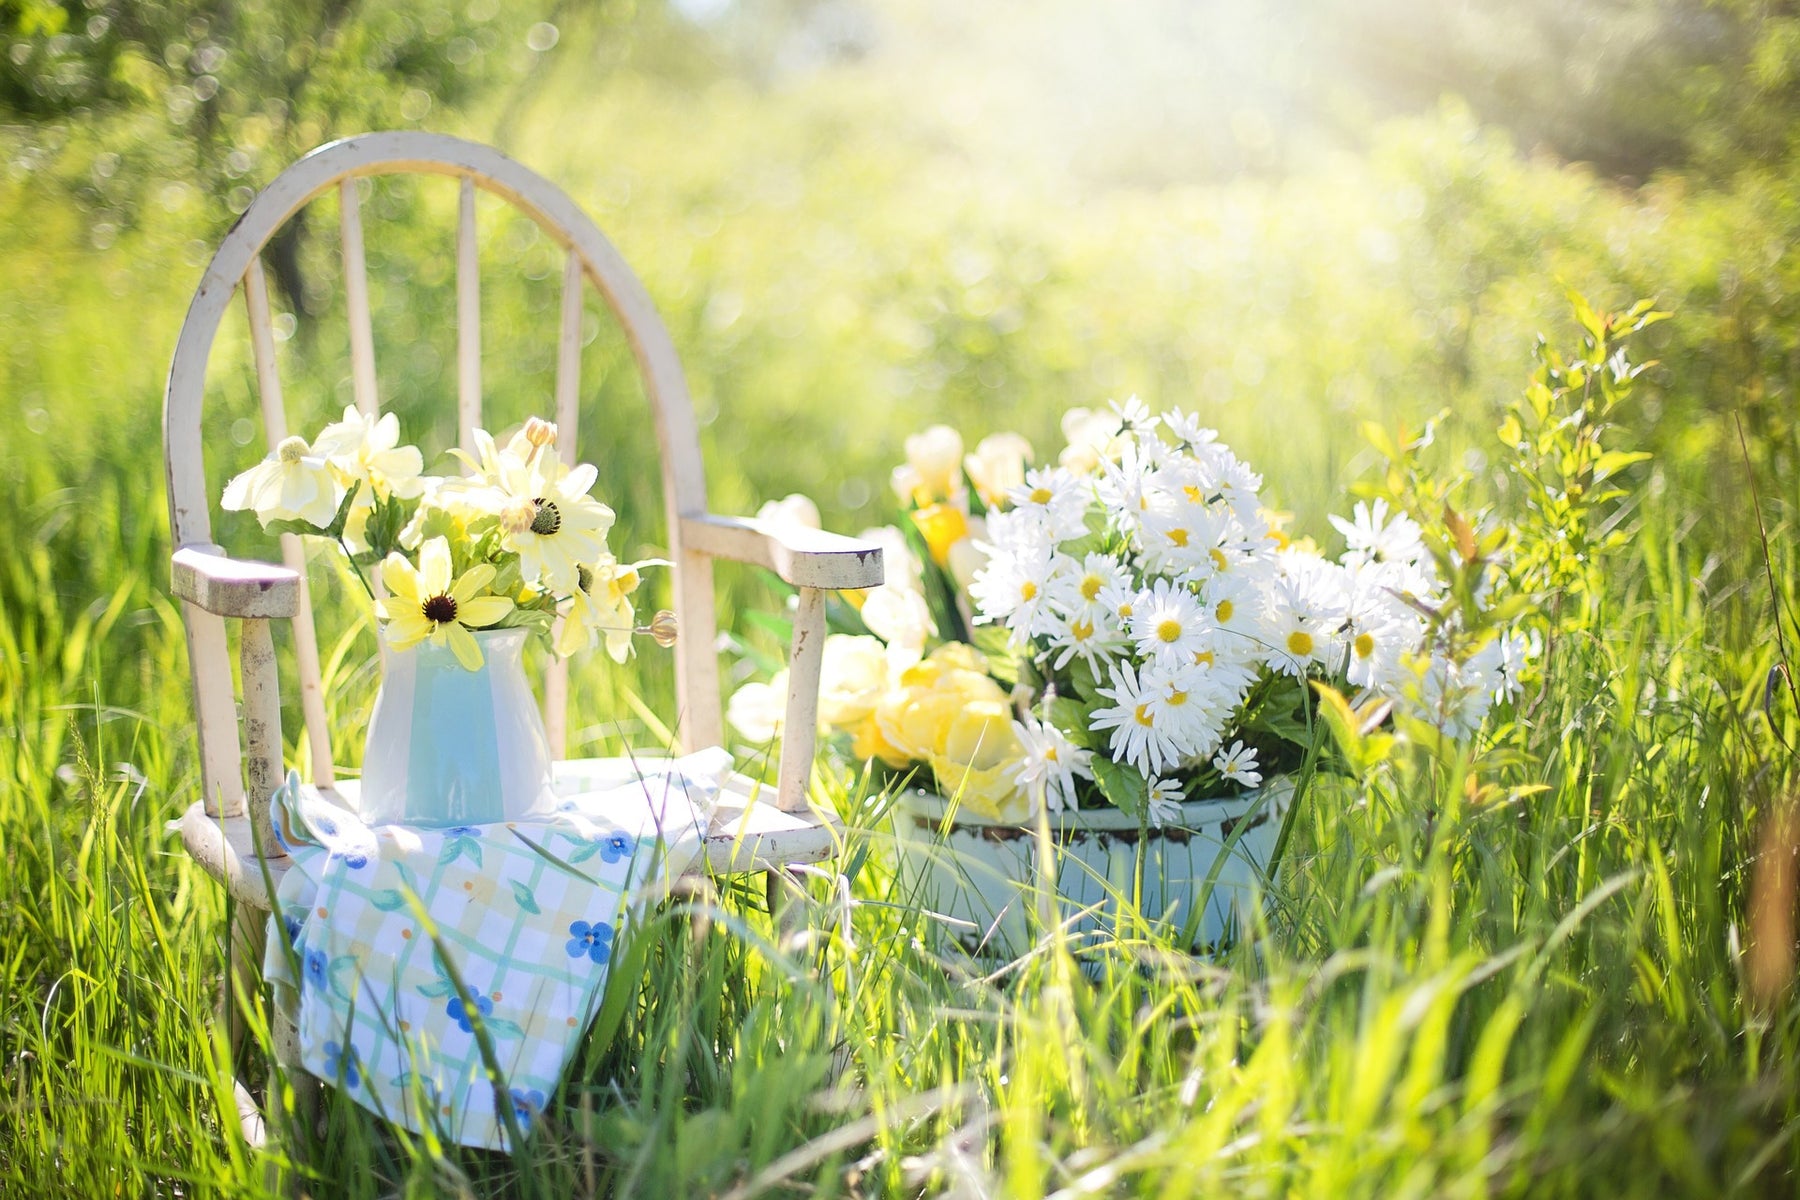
539 432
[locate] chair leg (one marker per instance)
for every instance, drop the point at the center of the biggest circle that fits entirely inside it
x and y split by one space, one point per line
293 1110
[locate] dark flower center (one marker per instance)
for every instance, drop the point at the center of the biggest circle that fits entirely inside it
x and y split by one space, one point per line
548 520
441 609
584 578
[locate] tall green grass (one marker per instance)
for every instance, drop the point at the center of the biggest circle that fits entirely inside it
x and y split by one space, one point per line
1541 990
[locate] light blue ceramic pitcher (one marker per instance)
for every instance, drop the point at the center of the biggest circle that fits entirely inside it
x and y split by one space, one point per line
450 746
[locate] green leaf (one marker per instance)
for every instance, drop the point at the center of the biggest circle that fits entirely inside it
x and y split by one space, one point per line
1002 660
1614 461
289 525
1082 681
382 530
1072 716
438 990
388 900
1121 784
523 895
1585 315
1346 730
500 1027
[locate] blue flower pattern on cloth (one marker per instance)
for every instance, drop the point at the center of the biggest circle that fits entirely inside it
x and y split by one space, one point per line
457 1012
378 1012
527 1104
316 969
344 1064
616 846
590 940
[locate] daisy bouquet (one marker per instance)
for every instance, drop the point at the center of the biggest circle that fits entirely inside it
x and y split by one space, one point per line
514 541
1164 632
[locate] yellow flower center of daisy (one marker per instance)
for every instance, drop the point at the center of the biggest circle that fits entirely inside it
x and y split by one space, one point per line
1090 586
1143 715
1169 630
548 519
1028 590
1203 658
1081 629
1218 557
1224 610
1041 495
1300 643
1178 536
1124 609
440 610
1365 645
1050 754
1193 493
1177 699
291 449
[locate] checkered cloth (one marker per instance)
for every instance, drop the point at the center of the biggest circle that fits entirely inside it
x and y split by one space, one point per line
529 914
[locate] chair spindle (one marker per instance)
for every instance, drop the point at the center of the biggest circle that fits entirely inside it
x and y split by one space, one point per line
293 552
356 298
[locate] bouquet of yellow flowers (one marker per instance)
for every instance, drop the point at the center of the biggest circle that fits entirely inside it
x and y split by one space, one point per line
514 541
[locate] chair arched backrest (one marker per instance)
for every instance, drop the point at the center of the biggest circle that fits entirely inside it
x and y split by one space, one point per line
590 258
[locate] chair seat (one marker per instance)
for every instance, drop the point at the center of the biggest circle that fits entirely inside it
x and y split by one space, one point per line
748 833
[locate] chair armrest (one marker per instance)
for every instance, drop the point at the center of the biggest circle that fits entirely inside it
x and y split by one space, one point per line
802 557
232 587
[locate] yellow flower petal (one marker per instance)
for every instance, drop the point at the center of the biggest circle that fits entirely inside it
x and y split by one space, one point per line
472 582
464 646
482 611
407 629
434 567
401 579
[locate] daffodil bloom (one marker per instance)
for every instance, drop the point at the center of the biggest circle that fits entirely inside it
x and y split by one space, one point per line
367 449
291 484
364 452
998 466
424 603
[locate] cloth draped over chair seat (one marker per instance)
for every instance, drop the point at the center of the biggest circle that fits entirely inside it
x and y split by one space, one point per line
528 915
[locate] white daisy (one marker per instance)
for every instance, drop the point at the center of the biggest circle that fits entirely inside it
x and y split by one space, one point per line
1051 764
1136 737
1188 702
1056 496
1188 432
1371 537
1168 624
1089 585
1134 415
1238 764
1182 540
1164 802
1015 585
1092 636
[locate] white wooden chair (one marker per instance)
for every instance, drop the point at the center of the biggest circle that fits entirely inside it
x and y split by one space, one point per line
224 829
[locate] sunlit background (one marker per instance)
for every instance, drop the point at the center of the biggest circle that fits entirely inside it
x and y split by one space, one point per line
860 217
